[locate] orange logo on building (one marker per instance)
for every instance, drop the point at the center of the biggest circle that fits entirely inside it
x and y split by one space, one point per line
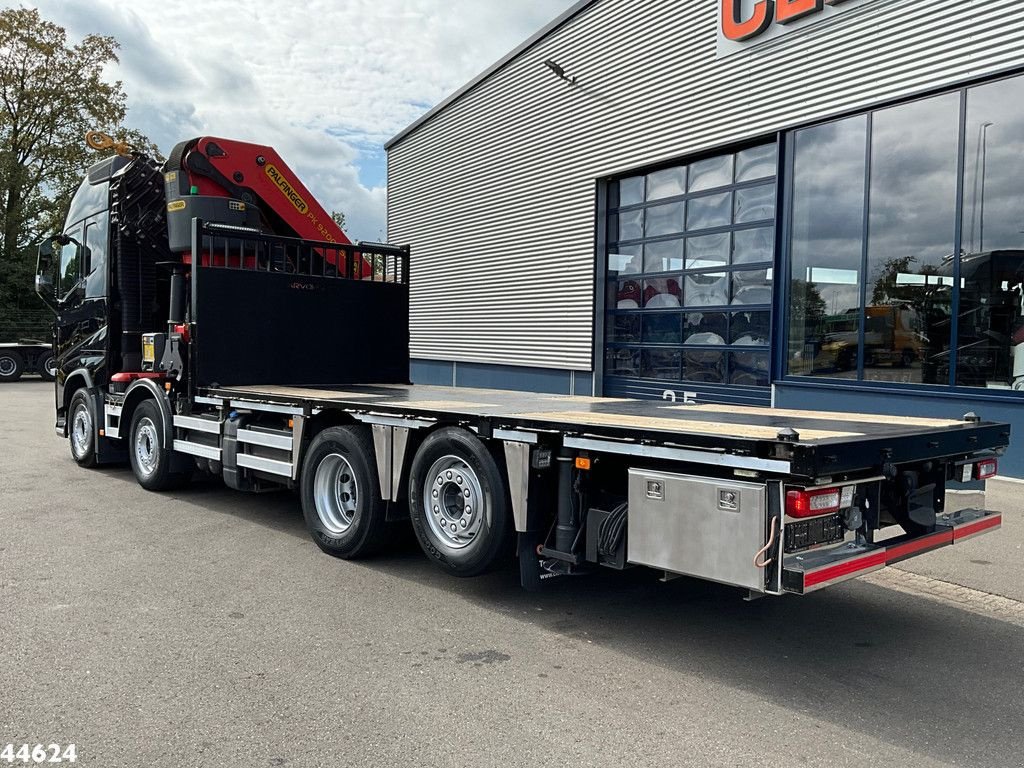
738 26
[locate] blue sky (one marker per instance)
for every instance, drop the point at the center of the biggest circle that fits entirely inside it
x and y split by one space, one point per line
324 82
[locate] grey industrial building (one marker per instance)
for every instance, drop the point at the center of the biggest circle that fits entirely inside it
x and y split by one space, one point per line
786 203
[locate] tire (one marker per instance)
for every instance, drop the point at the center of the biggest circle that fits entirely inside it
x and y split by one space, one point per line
11 365
46 366
82 429
340 489
907 358
458 503
149 457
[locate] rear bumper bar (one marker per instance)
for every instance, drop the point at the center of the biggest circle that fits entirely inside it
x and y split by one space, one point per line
811 571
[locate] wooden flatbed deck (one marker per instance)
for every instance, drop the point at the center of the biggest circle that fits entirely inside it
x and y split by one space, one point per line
726 426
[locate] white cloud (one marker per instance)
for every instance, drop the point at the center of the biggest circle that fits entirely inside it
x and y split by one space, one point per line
325 83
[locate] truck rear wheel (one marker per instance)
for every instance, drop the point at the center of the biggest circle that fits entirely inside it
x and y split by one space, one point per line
340 489
82 429
458 503
149 457
11 365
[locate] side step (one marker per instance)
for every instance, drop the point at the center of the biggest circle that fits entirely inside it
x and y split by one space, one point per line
811 571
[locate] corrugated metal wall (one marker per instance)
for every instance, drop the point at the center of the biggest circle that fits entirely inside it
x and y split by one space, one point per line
497 193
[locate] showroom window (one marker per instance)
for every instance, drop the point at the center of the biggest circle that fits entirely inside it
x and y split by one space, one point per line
877 291
690 257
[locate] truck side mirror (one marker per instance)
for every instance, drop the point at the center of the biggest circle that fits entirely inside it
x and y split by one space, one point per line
44 272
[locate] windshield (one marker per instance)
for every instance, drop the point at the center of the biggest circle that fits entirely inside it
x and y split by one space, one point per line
89 200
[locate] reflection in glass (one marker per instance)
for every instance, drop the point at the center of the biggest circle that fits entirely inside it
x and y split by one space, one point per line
631 191
752 287
668 183
709 211
629 295
711 173
990 346
96 245
910 236
624 329
827 243
625 259
662 293
751 329
665 219
622 362
706 328
749 369
706 366
628 225
674 293
706 252
662 328
755 204
666 256
709 289
750 246
661 364
756 163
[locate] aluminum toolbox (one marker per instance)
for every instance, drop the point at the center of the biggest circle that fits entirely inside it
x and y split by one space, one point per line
697 526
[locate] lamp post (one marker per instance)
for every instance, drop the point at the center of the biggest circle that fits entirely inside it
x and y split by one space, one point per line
984 158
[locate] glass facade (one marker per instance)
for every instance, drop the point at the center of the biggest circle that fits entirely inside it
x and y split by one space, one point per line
902 249
690 270
906 243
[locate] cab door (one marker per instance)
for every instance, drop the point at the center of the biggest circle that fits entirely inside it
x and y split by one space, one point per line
82 333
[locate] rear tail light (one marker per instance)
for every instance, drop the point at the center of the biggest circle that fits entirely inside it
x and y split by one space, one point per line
983 470
814 502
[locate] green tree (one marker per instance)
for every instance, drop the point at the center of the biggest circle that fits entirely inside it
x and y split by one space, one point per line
51 93
339 219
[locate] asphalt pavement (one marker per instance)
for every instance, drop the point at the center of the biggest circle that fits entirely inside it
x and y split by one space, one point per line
203 628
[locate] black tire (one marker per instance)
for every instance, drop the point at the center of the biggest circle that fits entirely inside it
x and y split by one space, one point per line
45 366
451 469
12 365
150 459
340 489
82 429
907 358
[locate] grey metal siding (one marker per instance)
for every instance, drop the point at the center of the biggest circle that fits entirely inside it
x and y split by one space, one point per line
497 191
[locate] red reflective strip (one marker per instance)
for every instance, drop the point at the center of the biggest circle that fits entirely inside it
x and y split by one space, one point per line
908 548
992 521
839 570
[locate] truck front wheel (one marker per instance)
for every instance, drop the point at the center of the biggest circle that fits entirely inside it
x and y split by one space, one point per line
149 457
341 500
458 502
82 429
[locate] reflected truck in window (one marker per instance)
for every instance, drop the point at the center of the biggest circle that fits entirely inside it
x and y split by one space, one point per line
892 336
990 347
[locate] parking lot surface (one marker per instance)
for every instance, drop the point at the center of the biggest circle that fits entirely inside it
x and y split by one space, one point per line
203 628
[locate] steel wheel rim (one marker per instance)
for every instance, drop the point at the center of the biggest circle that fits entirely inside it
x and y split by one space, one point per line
7 366
81 430
147 447
335 494
453 502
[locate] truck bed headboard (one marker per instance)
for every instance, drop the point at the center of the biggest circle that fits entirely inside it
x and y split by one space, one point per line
270 310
